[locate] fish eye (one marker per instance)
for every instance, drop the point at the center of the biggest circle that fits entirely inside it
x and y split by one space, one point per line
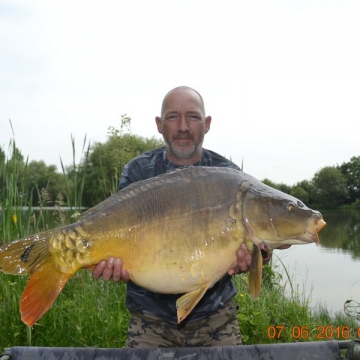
290 207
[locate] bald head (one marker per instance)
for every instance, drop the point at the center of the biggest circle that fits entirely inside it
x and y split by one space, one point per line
182 89
183 125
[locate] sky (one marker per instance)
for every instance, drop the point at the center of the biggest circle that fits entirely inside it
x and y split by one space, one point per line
281 79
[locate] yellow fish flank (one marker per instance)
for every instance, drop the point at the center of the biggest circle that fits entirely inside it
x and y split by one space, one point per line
177 233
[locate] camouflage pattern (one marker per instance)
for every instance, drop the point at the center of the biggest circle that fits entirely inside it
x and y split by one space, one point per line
155 162
219 329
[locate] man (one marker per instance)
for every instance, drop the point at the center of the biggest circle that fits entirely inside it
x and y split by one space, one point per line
213 322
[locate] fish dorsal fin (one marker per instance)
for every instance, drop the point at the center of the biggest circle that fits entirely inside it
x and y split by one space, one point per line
255 273
187 302
41 291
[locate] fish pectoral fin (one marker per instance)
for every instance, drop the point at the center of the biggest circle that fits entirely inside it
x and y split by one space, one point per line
187 302
41 290
255 273
22 256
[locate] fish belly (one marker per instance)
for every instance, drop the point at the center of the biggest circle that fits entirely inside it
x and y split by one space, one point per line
181 275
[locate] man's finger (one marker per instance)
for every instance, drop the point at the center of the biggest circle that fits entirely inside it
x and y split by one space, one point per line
108 270
98 270
117 270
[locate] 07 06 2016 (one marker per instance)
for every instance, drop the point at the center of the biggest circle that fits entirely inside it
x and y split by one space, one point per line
322 332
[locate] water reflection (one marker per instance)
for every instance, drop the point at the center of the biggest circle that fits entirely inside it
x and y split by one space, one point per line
342 231
329 273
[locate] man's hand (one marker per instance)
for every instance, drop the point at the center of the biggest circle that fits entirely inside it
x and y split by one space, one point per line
112 268
243 261
244 258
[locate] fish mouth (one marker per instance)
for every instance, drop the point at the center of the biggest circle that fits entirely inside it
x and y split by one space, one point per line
310 235
313 236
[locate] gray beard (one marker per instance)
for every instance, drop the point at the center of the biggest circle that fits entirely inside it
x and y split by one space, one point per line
181 154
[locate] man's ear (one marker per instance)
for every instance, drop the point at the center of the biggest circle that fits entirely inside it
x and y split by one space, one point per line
158 124
207 123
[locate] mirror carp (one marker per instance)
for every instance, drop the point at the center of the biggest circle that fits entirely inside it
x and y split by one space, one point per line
177 233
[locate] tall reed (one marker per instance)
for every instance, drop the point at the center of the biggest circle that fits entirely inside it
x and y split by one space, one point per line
74 177
19 218
13 195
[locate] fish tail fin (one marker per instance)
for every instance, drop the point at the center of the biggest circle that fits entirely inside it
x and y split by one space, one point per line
24 255
187 302
255 273
31 255
41 290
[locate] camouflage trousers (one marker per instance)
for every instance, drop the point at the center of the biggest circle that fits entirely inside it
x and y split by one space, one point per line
219 329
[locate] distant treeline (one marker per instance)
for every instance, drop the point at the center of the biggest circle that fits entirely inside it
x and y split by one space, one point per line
96 176
330 188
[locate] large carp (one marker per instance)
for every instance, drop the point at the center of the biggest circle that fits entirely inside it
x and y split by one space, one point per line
176 233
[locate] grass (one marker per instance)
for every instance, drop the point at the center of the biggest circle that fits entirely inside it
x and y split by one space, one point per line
86 313
277 318
90 313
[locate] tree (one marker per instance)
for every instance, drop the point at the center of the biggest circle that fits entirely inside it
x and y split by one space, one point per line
330 187
106 161
2 158
41 176
268 182
351 171
281 187
306 195
2 170
301 194
12 175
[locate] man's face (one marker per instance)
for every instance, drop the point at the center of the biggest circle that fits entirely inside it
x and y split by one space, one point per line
183 125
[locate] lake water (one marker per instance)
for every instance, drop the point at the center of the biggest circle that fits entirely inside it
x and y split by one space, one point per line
327 274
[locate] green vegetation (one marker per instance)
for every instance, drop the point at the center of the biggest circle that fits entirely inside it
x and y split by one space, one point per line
84 184
93 313
102 168
284 315
331 187
87 313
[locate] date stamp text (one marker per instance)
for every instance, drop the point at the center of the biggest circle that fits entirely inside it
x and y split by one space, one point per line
320 332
